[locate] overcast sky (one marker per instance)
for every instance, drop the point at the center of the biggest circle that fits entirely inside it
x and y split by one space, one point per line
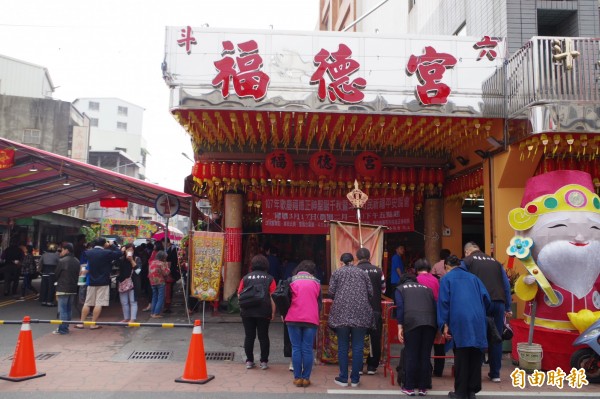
114 48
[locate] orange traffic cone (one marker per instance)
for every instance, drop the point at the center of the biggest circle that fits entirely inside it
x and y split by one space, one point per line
195 365
23 365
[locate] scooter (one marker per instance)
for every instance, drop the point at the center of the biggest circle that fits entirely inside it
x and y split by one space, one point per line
588 358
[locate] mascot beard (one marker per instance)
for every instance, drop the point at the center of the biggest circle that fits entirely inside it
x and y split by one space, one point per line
572 268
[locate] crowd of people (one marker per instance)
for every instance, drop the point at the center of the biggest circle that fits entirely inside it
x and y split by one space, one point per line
439 308
88 270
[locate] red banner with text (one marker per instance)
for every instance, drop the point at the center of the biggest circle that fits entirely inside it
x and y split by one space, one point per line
287 215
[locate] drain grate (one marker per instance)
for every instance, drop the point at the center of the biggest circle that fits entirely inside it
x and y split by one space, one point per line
41 356
220 356
150 355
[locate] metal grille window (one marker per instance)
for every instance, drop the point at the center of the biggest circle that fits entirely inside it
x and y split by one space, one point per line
94 122
94 106
32 136
122 110
122 125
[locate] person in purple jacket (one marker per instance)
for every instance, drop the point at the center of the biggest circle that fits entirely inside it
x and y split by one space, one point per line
302 319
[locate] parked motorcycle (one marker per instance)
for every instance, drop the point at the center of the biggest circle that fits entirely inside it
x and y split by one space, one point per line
588 358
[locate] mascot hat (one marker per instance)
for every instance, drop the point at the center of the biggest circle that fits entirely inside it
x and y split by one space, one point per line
561 190
549 183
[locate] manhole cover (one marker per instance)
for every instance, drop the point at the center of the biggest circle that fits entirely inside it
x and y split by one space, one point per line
222 356
41 356
150 355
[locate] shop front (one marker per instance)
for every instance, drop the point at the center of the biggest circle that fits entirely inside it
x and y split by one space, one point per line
284 123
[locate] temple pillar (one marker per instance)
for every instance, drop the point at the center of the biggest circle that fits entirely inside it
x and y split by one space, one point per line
433 214
233 248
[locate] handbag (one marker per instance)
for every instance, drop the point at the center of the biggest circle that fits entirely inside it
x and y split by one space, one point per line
493 334
126 285
251 296
507 332
281 296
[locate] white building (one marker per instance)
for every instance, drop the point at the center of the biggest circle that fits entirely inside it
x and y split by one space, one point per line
116 126
116 144
24 79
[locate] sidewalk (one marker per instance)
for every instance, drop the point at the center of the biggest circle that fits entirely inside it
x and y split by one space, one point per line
99 361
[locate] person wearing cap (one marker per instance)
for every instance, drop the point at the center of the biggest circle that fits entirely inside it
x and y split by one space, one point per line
67 274
350 317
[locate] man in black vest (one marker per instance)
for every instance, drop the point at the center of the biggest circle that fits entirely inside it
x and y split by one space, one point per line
417 323
494 278
378 282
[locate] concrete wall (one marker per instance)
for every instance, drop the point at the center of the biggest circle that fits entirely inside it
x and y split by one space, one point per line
51 117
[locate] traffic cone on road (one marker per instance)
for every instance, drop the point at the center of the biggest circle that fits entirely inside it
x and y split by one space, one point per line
195 365
23 365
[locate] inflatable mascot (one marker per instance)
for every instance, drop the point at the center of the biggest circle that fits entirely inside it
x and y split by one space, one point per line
558 241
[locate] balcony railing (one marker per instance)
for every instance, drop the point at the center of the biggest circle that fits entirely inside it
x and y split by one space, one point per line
534 76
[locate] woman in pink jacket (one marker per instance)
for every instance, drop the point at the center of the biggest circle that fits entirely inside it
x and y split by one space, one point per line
302 320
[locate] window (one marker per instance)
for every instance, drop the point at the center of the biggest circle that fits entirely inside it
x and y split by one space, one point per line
32 136
122 110
122 125
94 122
94 106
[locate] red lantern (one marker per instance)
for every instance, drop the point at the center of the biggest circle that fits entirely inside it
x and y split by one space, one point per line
279 164
207 173
323 163
225 172
197 171
215 173
403 179
7 158
430 178
244 174
367 165
254 174
301 175
250 196
439 177
385 177
422 177
113 202
412 178
395 178
262 174
419 200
